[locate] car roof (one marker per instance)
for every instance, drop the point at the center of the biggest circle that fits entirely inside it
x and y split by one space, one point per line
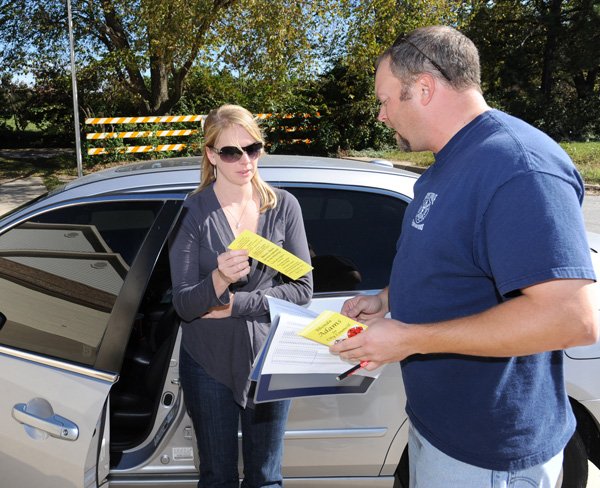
182 174
161 166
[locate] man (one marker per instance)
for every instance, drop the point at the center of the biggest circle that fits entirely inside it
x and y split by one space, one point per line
490 282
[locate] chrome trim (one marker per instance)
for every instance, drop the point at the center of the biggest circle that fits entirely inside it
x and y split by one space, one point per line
191 481
336 433
344 293
55 426
55 363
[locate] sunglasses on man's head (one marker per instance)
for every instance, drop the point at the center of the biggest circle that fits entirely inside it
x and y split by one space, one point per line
231 154
402 38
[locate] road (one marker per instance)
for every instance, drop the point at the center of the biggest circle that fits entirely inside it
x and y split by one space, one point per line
591 212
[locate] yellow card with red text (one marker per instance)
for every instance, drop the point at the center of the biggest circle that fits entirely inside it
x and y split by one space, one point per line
330 327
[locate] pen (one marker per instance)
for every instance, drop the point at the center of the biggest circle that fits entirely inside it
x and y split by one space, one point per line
351 371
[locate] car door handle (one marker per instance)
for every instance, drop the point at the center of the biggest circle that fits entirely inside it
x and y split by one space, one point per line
56 426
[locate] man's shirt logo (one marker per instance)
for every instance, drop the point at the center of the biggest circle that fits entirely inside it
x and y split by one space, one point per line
417 222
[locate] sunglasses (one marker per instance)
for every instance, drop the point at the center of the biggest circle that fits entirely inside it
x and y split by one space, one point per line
231 154
402 38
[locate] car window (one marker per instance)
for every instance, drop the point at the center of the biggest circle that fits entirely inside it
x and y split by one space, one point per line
352 236
61 272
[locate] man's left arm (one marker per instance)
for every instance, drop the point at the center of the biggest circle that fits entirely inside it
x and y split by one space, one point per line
548 316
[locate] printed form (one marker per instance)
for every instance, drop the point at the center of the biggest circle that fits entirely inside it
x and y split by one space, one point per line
290 353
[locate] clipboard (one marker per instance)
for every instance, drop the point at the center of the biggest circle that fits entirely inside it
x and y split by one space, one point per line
286 386
272 386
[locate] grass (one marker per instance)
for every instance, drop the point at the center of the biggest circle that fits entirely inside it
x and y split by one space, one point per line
10 123
585 155
422 159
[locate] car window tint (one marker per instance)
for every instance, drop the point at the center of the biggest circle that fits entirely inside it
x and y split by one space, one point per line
352 236
61 272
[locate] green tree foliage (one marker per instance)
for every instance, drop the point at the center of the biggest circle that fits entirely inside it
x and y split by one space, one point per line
347 89
15 98
148 47
31 116
541 62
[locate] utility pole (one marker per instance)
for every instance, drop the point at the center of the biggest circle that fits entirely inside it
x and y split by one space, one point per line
74 86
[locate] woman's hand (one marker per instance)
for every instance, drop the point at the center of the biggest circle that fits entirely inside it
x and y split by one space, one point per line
221 312
231 267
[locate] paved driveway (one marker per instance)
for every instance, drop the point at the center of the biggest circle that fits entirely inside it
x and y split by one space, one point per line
15 192
591 212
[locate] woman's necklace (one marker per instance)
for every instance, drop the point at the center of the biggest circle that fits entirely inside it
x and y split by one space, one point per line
238 221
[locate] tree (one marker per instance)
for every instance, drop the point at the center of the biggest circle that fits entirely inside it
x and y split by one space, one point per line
540 61
346 90
149 46
15 98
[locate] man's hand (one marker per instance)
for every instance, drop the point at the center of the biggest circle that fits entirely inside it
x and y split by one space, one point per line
365 307
384 341
549 316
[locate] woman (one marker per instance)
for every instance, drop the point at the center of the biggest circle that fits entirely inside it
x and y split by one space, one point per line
220 296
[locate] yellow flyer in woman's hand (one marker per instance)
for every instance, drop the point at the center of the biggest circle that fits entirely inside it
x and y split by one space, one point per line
271 254
331 327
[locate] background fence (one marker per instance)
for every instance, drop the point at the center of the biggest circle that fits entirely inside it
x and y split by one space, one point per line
284 133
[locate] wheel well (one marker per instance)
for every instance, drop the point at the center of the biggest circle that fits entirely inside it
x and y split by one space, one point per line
589 429
401 477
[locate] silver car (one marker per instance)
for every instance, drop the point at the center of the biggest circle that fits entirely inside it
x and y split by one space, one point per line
89 340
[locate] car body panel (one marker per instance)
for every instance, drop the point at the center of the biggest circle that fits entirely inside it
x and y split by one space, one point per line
331 441
31 457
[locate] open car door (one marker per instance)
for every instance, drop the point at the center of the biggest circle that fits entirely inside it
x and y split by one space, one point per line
53 432
71 279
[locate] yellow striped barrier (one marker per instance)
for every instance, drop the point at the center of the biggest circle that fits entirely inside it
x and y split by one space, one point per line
170 133
145 120
138 134
138 149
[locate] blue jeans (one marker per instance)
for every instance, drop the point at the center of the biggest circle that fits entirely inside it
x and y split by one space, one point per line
216 418
431 468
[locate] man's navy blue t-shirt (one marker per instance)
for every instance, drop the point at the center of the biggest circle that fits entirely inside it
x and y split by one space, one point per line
499 210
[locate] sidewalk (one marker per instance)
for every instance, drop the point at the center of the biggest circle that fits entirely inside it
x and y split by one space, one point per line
18 191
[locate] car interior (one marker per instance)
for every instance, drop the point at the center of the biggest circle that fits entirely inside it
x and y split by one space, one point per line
136 396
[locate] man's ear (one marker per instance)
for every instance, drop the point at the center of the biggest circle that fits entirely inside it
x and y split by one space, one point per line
426 88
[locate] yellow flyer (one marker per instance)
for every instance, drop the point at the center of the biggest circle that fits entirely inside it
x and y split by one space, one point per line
271 254
330 327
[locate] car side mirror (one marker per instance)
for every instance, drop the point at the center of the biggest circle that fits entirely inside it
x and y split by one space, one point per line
2 320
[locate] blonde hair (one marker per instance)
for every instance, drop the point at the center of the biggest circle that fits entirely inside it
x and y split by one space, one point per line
218 120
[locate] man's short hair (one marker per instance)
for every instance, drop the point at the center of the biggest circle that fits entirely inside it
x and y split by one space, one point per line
438 50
